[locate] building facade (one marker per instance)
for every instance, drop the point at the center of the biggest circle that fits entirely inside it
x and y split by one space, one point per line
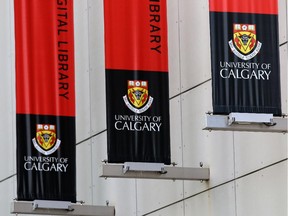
248 170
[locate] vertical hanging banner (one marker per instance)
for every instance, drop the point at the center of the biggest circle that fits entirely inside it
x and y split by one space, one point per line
45 100
137 92
245 56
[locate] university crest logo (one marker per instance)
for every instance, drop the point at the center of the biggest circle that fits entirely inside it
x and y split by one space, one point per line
46 141
137 98
244 43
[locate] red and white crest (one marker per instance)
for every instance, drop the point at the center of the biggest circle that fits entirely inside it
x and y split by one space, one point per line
46 141
244 43
137 98
244 37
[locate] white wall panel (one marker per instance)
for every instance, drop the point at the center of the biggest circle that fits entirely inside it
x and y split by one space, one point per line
282 21
7 92
261 149
155 194
173 47
284 77
120 193
7 195
173 210
97 66
214 149
217 202
84 172
175 131
263 193
256 150
82 70
194 43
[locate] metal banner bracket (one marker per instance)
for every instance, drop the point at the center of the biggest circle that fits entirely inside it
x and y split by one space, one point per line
254 122
153 171
47 207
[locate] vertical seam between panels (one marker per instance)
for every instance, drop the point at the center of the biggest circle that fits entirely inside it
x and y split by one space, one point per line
12 48
180 101
234 172
90 108
136 199
179 44
287 71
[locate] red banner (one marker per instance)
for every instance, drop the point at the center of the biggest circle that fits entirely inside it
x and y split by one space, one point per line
45 57
245 6
45 100
136 35
137 91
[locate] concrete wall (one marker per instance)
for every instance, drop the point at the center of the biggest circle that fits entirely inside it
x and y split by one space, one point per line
248 170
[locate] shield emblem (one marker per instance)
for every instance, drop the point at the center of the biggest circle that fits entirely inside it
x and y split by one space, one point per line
46 136
244 37
137 92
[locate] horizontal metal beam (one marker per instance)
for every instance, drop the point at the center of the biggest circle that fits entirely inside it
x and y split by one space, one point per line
26 207
221 123
172 173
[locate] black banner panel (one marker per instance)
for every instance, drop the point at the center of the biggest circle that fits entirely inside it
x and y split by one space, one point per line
245 56
45 100
137 91
46 167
